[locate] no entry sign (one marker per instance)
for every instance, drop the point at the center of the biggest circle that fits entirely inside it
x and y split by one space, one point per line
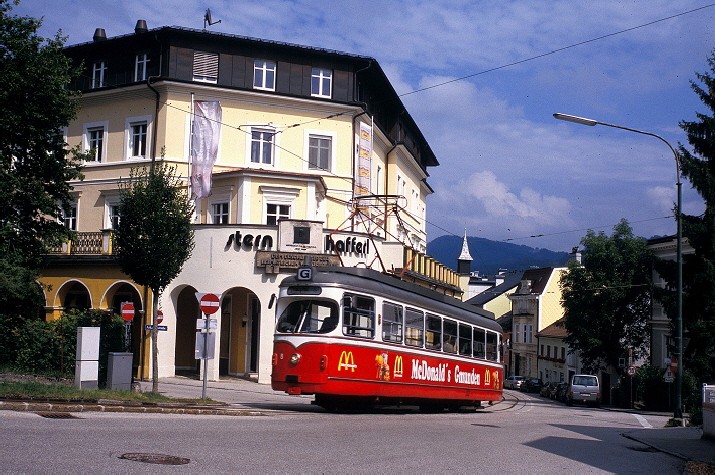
209 303
128 311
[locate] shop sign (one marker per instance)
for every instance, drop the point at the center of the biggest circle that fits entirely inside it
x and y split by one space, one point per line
275 262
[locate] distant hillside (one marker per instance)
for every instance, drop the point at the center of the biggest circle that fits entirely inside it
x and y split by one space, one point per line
490 256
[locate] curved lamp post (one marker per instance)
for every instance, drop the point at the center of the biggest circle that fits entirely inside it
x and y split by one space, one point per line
678 413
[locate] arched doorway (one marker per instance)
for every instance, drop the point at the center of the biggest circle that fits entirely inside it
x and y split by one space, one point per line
187 311
239 338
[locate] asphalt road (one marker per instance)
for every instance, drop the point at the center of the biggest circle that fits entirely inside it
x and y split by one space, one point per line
524 433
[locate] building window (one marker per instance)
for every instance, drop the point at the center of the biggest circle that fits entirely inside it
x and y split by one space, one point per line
95 142
98 72
274 212
264 75
219 213
205 66
140 67
69 217
527 333
262 146
563 353
113 216
137 139
321 83
319 152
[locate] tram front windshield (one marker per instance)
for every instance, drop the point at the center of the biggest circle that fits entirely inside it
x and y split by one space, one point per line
308 316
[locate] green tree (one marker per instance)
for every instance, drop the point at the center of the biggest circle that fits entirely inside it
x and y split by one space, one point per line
607 299
698 167
154 236
35 162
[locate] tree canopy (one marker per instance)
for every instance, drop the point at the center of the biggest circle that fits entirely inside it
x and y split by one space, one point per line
154 236
35 162
607 298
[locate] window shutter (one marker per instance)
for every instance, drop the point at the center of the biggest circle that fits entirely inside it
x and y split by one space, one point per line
205 66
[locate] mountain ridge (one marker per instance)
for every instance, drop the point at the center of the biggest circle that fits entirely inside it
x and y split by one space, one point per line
488 257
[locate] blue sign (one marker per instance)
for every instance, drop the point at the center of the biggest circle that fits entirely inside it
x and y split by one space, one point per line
149 326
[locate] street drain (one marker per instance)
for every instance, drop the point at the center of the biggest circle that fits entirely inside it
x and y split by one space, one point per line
486 425
643 449
57 415
156 458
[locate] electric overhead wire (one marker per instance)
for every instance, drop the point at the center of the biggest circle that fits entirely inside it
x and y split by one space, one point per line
504 66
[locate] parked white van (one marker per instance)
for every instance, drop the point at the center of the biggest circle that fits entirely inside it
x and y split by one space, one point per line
584 388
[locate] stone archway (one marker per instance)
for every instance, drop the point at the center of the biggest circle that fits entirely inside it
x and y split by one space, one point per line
113 298
74 295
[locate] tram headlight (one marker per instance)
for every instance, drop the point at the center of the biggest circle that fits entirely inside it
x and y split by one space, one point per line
295 358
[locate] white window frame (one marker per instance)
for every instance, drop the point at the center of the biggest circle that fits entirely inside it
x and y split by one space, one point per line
274 195
274 146
130 123
71 220
320 134
322 76
99 71
261 69
278 215
205 67
141 66
213 215
89 127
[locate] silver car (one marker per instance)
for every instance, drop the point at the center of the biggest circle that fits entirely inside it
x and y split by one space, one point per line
514 382
584 388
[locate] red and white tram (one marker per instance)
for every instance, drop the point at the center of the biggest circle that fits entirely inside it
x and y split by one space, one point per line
356 336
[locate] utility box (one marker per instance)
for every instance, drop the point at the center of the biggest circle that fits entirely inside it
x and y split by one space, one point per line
119 371
709 411
86 370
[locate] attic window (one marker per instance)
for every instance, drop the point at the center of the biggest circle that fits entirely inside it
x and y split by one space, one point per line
205 67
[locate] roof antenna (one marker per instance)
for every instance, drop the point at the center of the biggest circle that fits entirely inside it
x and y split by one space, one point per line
207 19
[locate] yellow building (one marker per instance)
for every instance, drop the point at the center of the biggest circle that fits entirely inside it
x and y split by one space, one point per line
302 137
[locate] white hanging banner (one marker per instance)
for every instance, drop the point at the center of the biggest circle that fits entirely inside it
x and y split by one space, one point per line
364 161
205 136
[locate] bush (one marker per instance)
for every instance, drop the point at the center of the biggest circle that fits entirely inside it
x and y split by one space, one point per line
49 348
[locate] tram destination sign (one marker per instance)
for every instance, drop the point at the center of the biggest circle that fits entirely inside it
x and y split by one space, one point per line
275 262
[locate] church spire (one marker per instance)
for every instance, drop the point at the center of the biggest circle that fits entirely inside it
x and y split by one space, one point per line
464 261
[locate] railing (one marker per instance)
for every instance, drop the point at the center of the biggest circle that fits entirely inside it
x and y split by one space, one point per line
86 243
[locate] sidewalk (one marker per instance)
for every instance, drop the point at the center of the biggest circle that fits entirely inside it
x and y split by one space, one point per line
683 442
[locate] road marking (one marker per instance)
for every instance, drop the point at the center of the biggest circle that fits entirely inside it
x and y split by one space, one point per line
643 422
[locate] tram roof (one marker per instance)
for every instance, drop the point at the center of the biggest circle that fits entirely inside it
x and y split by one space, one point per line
372 280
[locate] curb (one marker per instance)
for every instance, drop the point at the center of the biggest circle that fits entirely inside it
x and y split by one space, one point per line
23 406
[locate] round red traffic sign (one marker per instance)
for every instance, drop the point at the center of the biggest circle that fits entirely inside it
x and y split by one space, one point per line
159 316
209 303
128 311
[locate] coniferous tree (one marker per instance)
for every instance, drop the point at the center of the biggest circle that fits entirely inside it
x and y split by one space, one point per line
35 162
698 167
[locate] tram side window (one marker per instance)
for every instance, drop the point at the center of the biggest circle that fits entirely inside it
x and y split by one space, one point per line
479 340
450 336
308 316
358 316
465 340
391 322
433 335
414 327
492 346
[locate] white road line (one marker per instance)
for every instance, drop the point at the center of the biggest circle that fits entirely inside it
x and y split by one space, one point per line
642 420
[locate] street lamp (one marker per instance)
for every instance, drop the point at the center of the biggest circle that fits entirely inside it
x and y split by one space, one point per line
678 413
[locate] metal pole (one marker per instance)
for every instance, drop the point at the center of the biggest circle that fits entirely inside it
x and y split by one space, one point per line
205 356
678 412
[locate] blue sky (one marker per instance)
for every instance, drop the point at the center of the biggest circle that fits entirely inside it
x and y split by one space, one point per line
508 170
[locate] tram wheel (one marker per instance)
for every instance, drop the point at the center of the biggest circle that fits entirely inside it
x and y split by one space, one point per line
431 408
454 407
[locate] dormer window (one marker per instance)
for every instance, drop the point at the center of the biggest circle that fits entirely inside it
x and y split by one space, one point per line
264 75
205 66
321 83
141 64
99 69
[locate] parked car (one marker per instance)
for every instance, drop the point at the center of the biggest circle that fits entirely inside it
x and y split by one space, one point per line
513 382
584 388
560 394
531 385
548 390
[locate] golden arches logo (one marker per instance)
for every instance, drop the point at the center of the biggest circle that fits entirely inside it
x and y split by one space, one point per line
487 377
398 366
347 361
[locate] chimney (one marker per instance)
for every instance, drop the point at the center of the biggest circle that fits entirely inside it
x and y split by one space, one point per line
99 35
141 27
